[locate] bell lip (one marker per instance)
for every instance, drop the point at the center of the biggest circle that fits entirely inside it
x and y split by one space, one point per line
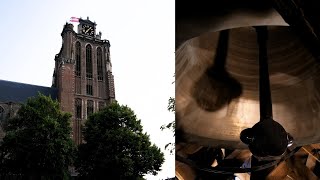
269 157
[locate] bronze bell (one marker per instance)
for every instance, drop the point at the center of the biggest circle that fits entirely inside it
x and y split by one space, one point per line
218 93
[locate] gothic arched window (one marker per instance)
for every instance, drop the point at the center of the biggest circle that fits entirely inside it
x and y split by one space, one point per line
78 108
78 59
99 64
89 107
89 87
89 61
78 69
101 105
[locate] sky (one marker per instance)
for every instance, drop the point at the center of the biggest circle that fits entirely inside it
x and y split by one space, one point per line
141 34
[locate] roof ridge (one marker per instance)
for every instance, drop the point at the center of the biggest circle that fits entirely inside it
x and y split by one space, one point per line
20 92
25 83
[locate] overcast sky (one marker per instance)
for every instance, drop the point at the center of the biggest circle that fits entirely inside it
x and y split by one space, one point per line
141 34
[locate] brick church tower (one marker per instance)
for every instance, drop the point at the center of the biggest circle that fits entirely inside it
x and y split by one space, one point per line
83 73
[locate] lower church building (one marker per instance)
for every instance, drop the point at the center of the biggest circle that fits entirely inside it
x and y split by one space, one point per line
82 82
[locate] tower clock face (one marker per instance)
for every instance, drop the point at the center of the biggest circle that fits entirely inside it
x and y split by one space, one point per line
87 30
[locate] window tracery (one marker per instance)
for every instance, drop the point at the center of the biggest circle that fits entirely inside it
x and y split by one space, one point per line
99 64
89 61
78 108
89 107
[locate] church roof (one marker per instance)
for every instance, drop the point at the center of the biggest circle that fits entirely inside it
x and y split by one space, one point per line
20 92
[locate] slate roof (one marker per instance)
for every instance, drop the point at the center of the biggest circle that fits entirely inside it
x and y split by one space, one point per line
20 92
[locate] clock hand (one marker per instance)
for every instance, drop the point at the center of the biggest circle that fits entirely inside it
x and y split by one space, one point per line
88 29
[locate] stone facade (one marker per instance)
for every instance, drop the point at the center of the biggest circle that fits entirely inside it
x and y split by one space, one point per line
92 90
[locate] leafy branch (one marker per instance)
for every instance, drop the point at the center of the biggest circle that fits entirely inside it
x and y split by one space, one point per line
170 126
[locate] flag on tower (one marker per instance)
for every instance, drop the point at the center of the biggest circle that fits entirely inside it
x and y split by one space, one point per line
74 19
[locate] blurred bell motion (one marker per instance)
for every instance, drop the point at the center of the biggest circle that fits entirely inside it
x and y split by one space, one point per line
246 79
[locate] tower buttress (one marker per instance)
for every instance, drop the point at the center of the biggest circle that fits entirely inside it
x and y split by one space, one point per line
64 70
110 78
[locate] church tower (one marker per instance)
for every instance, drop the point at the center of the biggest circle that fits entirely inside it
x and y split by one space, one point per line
83 73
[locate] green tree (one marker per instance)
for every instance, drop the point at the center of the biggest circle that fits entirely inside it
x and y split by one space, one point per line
116 147
37 142
170 126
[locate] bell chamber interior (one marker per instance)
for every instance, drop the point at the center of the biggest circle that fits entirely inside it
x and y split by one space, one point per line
217 86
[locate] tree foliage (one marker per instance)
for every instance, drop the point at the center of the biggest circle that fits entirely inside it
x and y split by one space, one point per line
115 146
37 141
170 126
171 108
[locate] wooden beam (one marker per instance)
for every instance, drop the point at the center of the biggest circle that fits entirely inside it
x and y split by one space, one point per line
294 15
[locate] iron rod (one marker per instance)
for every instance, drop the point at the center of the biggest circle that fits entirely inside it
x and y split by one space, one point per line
264 81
